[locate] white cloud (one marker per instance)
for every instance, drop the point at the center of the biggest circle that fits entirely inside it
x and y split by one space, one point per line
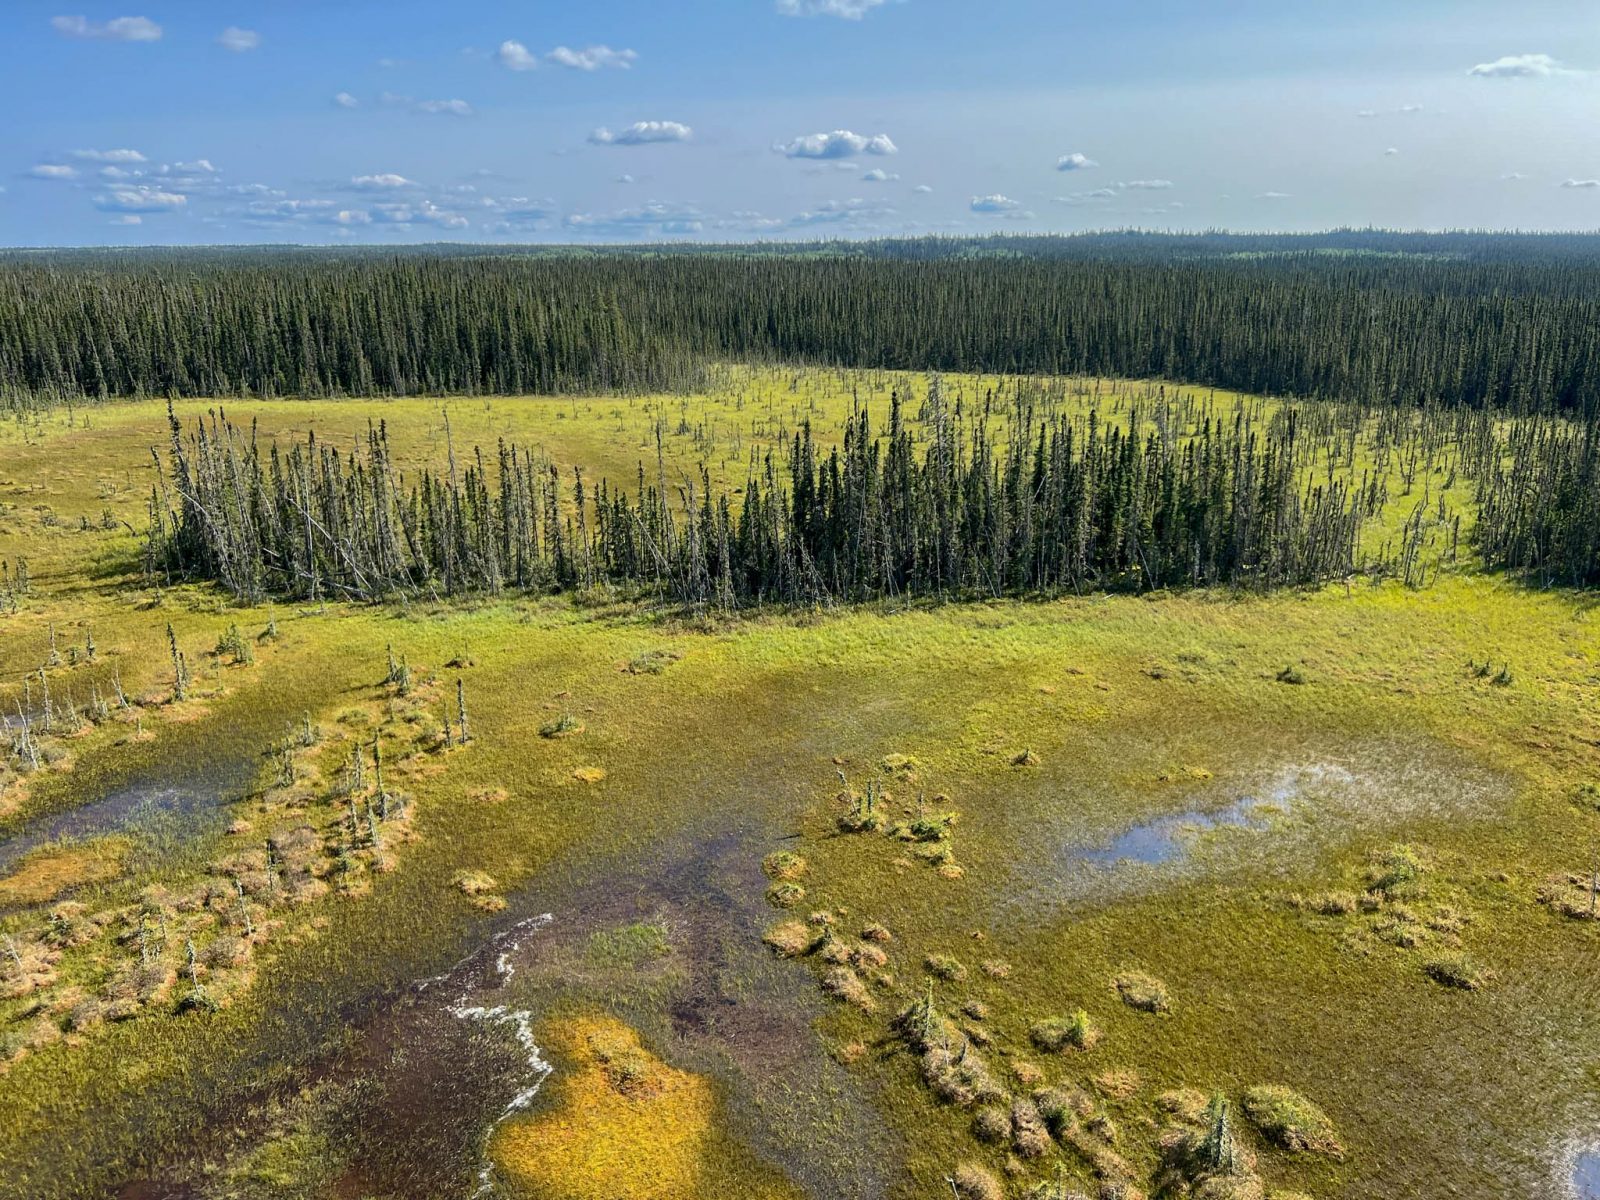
878 175
1522 66
1075 162
1581 183
520 212
624 178
1273 196
424 212
315 212
995 203
386 182
54 171
284 210
108 156
922 189
592 58
850 10
1146 185
1367 113
1512 176
128 219
641 133
839 211
346 100
1391 151
119 29
200 166
653 218
238 40
140 200
1093 197
514 56
841 143
449 108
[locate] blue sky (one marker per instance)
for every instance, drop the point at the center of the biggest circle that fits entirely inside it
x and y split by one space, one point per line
207 121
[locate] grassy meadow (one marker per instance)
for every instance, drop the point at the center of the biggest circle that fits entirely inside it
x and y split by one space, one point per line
838 903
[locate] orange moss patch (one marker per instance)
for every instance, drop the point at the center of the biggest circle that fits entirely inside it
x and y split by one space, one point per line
46 874
624 1123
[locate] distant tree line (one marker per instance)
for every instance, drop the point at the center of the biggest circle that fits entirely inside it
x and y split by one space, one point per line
1343 320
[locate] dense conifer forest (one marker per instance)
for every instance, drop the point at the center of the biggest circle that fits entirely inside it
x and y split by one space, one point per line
1324 319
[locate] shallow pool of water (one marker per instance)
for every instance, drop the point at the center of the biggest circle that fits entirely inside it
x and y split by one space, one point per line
159 812
1586 1174
1172 835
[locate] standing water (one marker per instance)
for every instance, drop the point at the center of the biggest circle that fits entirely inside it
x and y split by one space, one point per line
1586 1174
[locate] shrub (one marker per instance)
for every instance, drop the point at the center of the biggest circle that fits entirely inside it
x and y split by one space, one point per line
1187 1104
972 1182
959 1077
1028 1133
992 1124
1288 1119
784 865
565 725
844 984
945 967
900 764
785 895
1394 872
474 883
1143 992
1291 674
1057 1034
1456 969
1062 1107
868 957
1335 904
791 939
651 662
933 828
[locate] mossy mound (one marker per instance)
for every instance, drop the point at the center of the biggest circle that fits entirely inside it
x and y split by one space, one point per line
46 874
1289 1120
624 1123
1142 991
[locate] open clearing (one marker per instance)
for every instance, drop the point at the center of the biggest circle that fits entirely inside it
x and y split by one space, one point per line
1362 879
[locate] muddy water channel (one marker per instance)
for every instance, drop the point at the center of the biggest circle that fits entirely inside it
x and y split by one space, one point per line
673 949
668 942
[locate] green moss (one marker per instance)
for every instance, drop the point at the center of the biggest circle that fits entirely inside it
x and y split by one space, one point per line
1289 1120
634 945
1055 1034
